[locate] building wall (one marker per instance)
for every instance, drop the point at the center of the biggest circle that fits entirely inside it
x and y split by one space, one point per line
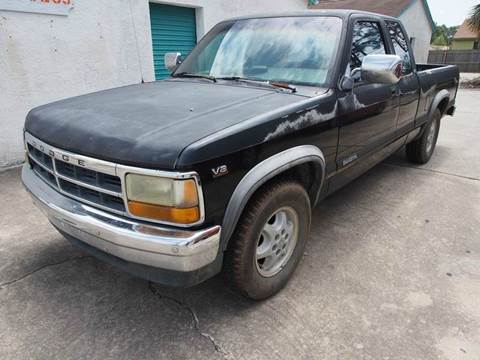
100 45
462 44
415 20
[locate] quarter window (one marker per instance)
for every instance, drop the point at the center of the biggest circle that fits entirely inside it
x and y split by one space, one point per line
367 39
400 45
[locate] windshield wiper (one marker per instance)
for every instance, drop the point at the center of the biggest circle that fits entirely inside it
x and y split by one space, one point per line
284 86
276 84
190 75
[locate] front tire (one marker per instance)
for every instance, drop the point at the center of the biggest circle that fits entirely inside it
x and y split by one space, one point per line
269 240
420 150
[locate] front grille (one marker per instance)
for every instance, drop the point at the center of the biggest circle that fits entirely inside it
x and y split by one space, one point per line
87 185
92 195
43 173
44 159
93 181
89 177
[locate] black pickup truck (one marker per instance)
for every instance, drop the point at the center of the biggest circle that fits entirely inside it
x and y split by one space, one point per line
218 166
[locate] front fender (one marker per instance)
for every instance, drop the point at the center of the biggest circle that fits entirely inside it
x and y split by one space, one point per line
264 171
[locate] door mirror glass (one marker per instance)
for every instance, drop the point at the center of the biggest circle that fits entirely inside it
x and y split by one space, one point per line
382 69
172 60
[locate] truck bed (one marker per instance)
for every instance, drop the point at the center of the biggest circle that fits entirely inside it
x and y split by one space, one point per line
434 78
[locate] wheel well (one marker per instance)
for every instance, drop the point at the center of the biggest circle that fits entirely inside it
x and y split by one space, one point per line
308 174
304 163
443 105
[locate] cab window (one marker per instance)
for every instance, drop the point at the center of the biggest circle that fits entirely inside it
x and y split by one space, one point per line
400 45
367 39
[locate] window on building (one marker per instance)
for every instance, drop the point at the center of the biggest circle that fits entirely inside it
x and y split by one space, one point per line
476 45
367 39
400 45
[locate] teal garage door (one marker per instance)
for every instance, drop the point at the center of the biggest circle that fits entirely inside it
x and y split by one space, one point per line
173 29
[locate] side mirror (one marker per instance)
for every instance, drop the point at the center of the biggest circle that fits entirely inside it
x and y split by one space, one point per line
382 69
172 60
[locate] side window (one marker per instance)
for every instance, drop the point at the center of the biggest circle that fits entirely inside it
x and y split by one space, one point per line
367 39
400 45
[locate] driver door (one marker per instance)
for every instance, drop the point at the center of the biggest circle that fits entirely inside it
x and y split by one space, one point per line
371 110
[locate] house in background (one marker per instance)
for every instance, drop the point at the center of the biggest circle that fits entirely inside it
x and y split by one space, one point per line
414 14
465 38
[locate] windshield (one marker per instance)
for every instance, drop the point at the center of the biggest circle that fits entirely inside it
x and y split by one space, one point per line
297 50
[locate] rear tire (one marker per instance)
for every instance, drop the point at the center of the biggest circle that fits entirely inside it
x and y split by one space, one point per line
269 240
420 150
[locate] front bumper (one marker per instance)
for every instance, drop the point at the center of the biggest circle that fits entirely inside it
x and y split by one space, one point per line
150 246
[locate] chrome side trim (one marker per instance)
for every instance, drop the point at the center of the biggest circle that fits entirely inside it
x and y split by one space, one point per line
113 169
166 248
264 171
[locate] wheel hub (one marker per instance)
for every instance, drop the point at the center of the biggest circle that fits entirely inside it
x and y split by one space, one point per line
277 241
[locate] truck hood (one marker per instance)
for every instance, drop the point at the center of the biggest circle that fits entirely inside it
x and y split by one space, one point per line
148 125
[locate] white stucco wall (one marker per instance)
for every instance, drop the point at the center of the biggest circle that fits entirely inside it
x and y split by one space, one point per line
415 20
44 58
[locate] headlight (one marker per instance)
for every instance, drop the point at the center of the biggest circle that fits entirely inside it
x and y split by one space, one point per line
164 199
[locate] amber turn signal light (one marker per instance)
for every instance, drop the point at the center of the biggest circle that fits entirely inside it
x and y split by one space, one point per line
164 213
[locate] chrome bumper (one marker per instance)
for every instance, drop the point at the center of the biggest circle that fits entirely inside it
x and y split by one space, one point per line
160 247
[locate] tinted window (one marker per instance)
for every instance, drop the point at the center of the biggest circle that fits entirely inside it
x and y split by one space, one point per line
367 39
400 45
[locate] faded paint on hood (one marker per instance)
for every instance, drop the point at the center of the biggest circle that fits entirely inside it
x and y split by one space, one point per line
149 124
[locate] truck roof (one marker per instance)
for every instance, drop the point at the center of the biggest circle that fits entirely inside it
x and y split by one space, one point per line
342 13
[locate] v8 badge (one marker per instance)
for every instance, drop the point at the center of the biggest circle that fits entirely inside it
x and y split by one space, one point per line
220 171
